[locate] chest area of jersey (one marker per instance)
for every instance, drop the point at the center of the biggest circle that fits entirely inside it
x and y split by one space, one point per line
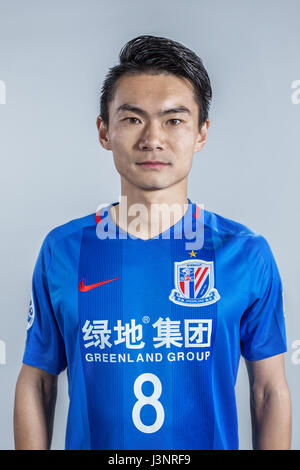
152 299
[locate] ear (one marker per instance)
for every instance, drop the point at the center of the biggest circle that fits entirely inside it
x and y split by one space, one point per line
202 137
103 133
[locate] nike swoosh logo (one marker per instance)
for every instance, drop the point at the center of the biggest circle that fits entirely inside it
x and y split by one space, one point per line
83 288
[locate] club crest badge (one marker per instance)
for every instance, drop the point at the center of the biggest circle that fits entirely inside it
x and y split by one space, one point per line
194 283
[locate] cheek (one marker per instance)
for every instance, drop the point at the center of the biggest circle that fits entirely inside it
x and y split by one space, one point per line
183 141
184 165
120 148
123 141
120 162
123 132
183 150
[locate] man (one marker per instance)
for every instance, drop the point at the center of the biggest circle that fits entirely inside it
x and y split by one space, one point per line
150 314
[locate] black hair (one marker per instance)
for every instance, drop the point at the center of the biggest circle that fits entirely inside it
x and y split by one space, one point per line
158 55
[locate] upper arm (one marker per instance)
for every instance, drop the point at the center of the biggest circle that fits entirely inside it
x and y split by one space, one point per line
267 374
44 347
262 327
35 399
36 377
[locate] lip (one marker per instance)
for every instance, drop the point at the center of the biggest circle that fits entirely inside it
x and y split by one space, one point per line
152 164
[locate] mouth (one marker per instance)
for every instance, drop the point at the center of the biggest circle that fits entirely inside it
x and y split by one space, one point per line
153 164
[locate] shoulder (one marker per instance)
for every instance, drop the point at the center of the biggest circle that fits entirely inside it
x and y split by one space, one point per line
69 228
228 232
66 231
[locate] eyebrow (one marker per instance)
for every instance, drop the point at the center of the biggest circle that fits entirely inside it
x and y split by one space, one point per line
142 112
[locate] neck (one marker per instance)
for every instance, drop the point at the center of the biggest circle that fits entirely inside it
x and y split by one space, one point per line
147 213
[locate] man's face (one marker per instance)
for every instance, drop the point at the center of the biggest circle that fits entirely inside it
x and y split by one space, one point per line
153 143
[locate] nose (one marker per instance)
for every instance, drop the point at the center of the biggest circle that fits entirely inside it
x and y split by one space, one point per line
151 138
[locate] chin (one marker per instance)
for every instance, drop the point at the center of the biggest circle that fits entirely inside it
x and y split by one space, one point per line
153 184
147 183
149 186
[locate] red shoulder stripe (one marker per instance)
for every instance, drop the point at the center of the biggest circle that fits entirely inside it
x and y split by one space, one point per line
197 212
97 217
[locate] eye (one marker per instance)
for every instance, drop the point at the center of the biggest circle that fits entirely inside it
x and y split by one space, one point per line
172 120
129 119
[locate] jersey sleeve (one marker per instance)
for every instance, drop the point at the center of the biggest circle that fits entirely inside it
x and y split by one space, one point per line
44 346
262 330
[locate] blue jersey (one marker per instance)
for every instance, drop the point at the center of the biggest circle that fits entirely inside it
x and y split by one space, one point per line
151 331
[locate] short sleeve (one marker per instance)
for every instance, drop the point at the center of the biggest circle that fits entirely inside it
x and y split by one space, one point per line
262 329
44 346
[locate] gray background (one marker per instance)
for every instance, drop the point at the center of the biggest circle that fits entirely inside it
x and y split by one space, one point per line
53 59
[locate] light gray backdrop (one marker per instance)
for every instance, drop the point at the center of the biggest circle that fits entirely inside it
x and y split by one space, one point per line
53 59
